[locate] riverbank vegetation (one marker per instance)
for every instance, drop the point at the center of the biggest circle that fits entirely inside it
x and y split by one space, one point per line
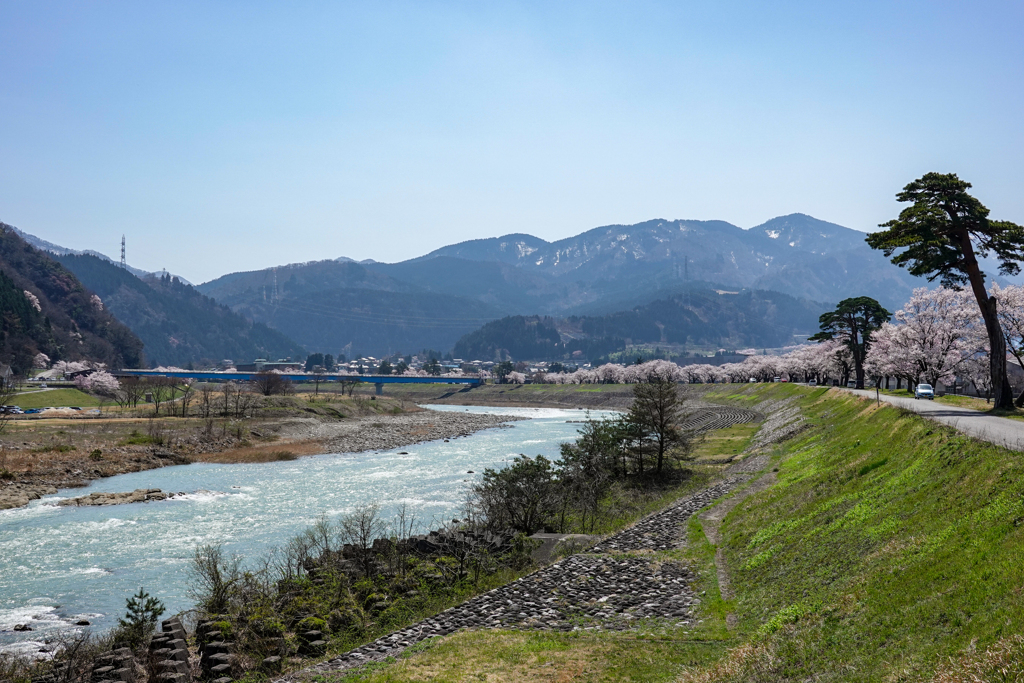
640 453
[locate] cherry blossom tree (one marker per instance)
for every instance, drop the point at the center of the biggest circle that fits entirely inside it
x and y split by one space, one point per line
33 300
99 382
41 361
932 338
67 367
1011 319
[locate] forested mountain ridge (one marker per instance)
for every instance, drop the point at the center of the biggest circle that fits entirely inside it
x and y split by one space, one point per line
350 308
62 318
700 317
178 324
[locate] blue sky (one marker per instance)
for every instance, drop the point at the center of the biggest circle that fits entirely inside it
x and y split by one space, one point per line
225 136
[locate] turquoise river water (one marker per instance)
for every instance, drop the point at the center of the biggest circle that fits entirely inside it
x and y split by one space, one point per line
62 564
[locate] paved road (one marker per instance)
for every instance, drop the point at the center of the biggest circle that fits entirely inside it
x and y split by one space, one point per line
998 430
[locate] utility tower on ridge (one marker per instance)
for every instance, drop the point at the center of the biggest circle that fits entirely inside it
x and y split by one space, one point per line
124 264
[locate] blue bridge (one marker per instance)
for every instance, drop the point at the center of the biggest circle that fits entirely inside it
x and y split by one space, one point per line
378 380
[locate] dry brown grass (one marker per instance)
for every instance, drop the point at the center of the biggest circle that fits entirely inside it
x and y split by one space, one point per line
264 453
521 657
748 663
1003 661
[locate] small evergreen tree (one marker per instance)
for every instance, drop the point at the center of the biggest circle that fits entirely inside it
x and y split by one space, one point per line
140 619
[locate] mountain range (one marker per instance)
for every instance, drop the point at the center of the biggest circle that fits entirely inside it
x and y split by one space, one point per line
704 283
433 300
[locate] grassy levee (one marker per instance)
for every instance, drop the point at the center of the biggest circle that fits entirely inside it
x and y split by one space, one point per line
889 549
887 546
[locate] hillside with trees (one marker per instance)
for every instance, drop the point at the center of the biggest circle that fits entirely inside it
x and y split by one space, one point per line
697 317
339 304
46 309
178 324
532 337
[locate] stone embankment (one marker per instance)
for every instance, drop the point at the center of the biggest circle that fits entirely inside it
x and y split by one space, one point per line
705 417
598 589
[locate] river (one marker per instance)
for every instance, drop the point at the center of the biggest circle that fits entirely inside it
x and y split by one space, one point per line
62 564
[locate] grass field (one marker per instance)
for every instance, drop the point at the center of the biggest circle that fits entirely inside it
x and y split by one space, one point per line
725 443
55 398
889 549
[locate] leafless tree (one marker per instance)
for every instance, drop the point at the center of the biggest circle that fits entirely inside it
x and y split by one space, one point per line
132 391
206 397
74 654
318 377
212 576
162 389
246 402
270 383
360 529
403 526
228 390
187 394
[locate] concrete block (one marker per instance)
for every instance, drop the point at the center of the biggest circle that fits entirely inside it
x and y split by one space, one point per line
221 670
173 666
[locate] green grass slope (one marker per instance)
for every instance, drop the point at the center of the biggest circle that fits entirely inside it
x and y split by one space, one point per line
888 546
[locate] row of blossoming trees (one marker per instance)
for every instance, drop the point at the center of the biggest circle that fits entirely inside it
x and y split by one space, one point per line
938 336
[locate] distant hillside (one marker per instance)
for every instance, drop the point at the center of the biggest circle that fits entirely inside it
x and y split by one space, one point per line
698 317
529 337
177 323
708 317
346 307
606 270
68 325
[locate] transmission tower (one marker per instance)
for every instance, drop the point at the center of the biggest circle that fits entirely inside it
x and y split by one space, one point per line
124 264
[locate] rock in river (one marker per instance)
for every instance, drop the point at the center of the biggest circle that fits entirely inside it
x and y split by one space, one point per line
101 498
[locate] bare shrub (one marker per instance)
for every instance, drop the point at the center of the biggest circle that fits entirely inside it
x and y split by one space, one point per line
212 578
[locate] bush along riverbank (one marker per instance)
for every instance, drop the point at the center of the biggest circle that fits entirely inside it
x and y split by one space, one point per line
339 585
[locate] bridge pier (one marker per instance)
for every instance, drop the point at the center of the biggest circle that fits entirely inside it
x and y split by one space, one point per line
379 386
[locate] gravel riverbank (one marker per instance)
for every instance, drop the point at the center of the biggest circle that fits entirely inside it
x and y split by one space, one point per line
297 436
383 433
